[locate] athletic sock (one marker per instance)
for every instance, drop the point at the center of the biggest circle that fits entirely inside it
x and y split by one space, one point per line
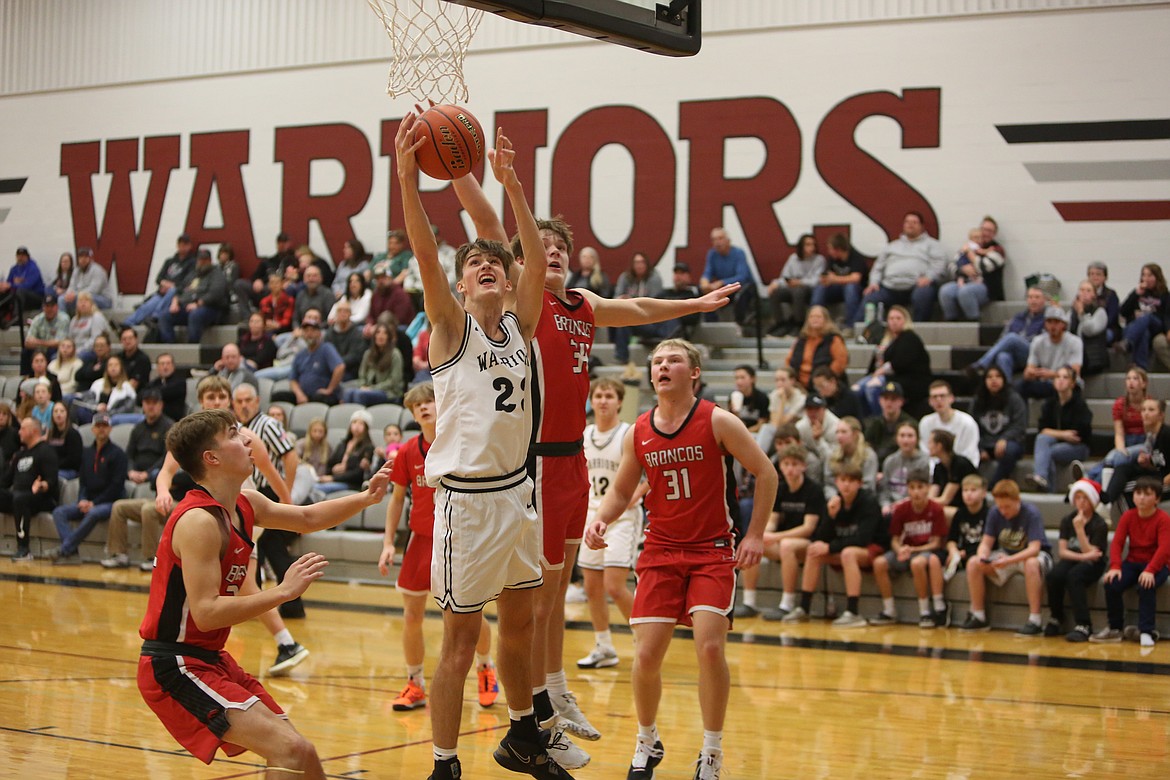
442 754
284 637
788 601
483 660
556 684
1034 618
523 725
851 603
889 607
749 597
542 704
979 614
712 740
648 734
806 600
415 674
923 606
603 638
940 603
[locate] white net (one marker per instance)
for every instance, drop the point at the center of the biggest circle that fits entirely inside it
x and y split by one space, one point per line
430 39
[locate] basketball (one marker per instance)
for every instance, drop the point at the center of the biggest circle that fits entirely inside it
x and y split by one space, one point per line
454 142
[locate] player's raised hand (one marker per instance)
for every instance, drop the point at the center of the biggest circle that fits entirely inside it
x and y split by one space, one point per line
304 571
501 158
380 482
718 298
405 145
595 535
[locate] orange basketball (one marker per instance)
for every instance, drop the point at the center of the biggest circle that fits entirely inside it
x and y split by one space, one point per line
454 142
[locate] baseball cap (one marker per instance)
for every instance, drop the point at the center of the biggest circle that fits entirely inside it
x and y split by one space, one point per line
815 401
84 250
682 268
101 418
22 250
50 300
1056 313
892 388
310 322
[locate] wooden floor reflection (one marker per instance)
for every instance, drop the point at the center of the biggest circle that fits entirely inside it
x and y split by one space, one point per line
806 703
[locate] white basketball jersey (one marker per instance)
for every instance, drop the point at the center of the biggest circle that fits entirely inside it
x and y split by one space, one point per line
603 455
483 415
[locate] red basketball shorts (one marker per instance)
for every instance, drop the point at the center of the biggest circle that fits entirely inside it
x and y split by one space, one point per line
562 502
191 697
414 578
674 583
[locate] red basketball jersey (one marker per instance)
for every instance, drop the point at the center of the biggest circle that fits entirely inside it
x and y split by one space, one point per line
410 470
560 368
687 502
168 618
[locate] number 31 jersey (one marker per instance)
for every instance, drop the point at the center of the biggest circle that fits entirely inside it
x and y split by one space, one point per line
687 502
483 418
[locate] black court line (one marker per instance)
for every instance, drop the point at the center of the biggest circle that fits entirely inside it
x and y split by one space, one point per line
62 679
739 637
1080 132
43 651
12 185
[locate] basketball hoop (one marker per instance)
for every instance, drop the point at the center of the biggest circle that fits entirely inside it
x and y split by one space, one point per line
430 39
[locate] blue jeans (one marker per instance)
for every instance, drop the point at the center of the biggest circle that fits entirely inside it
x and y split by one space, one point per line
1005 467
354 395
1134 443
824 294
154 306
919 299
196 320
275 373
966 301
1050 451
333 487
127 418
71 538
870 405
1009 353
1140 335
1147 597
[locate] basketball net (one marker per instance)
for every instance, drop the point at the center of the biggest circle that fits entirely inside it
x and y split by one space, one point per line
430 39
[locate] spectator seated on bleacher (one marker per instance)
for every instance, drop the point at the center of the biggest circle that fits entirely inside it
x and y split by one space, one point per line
102 482
1153 459
147 448
748 402
276 308
896 467
62 435
1146 311
1146 529
908 270
171 387
817 427
946 417
791 292
841 399
39 405
966 524
112 394
40 372
725 264
881 430
65 366
313 448
977 272
950 468
785 405
253 289
357 295
1080 562
59 284
135 362
380 375
174 275
347 338
899 356
680 289
86 325
231 367
1013 543
354 260
1107 299
1002 417
351 457
1089 322
89 277
638 281
1053 348
1010 351
589 274
28 485
94 366
1129 433
846 274
48 328
23 290
256 344
853 451
200 303
819 343
388 296
1066 425
307 257
9 433
317 370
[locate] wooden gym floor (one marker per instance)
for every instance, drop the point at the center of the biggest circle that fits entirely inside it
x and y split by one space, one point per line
807 702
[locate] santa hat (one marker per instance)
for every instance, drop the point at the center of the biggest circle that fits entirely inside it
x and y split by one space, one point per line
1091 489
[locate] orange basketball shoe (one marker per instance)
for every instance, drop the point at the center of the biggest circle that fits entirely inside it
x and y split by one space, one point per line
489 687
412 697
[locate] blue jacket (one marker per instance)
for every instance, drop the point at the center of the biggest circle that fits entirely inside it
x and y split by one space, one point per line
730 268
103 481
27 277
1026 324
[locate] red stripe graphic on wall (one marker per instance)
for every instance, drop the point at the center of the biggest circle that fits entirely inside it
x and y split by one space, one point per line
1113 211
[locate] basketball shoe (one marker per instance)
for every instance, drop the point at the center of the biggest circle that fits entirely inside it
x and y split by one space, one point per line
412 697
600 658
709 764
570 714
288 656
489 686
516 755
646 757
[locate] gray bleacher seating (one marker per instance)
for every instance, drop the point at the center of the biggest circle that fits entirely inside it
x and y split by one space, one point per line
303 414
383 415
338 416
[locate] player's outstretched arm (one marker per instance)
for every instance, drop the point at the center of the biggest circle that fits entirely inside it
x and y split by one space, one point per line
626 483
479 208
196 540
325 514
443 310
735 439
625 312
530 288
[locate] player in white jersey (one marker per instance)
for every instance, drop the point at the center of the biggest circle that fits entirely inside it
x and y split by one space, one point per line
607 570
487 536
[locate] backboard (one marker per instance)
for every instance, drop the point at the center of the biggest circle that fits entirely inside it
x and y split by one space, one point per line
670 27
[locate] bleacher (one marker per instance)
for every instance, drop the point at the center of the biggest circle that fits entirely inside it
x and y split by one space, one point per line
353 548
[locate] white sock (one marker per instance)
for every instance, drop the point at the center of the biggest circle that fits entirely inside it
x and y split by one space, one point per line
712 741
979 614
749 597
889 606
284 637
415 673
788 601
1034 617
518 714
940 603
603 638
648 734
442 754
483 660
555 683
923 606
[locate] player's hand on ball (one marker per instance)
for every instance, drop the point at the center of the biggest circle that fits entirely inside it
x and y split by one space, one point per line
308 568
405 145
595 535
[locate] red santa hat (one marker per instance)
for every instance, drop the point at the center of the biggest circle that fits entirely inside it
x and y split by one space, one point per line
1091 489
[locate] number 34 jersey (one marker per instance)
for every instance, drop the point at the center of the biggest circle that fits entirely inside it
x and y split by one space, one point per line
603 455
483 417
687 502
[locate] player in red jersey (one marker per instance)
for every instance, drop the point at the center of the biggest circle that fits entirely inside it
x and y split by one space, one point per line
686 572
414 578
560 390
199 692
